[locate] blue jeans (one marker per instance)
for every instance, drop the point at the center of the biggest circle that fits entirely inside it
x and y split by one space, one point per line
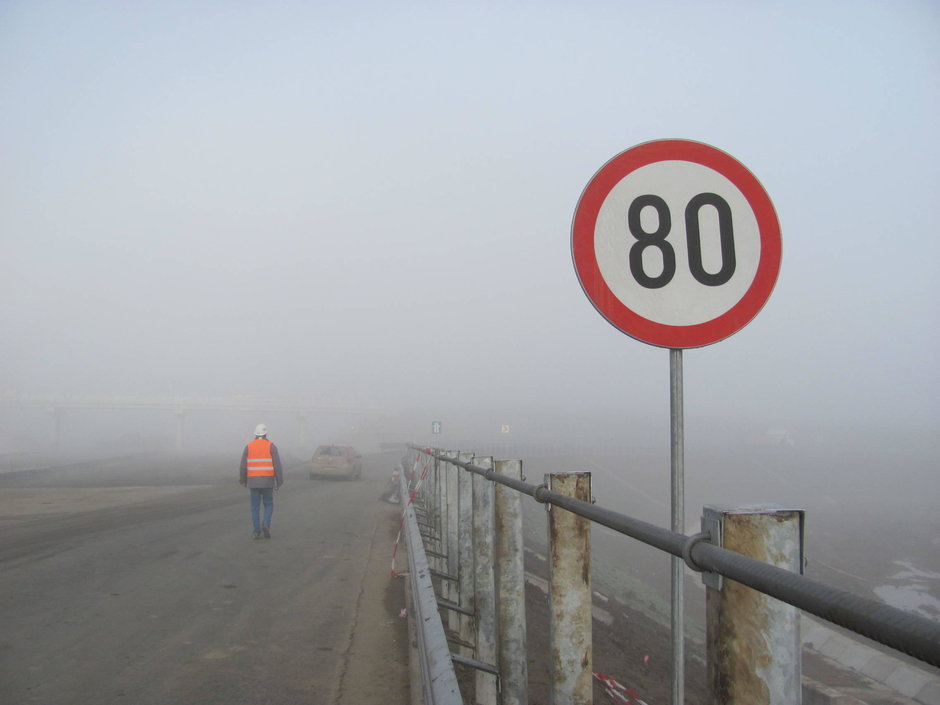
259 494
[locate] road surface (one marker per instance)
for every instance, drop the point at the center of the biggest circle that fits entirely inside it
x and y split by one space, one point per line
126 581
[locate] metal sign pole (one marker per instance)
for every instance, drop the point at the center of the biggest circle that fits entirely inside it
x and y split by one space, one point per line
637 203
678 521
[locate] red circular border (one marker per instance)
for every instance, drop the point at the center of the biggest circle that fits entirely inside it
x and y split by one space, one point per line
630 322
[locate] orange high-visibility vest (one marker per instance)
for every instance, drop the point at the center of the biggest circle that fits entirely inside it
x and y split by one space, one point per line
260 463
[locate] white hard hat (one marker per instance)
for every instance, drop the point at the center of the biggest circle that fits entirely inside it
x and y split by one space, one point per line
261 430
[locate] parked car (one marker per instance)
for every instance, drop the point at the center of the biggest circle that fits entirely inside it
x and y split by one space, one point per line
336 461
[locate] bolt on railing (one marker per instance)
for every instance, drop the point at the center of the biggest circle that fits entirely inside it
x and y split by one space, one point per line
756 535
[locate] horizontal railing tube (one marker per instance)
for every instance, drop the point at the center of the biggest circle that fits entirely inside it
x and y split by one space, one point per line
904 631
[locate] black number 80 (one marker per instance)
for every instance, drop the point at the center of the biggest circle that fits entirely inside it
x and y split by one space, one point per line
693 235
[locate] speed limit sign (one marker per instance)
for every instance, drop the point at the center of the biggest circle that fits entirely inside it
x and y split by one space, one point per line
676 243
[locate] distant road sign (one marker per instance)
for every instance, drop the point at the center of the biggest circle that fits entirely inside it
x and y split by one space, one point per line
676 243
435 427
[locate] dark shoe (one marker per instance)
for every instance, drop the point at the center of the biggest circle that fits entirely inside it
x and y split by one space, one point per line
267 530
256 534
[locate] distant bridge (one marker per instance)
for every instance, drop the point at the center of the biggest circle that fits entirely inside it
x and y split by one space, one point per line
178 406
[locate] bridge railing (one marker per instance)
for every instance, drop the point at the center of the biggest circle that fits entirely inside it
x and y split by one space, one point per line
438 680
474 546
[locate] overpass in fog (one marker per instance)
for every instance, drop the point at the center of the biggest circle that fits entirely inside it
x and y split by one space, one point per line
179 406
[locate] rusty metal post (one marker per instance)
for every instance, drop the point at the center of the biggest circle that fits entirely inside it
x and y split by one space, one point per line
569 593
465 555
422 503
439 508
513 657
451 590
485 582
753 640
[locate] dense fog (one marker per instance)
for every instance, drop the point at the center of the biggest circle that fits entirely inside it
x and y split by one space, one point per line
368 206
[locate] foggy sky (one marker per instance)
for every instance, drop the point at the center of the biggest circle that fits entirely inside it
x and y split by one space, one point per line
370 203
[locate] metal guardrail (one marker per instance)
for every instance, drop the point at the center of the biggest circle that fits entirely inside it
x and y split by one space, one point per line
438 678
906 632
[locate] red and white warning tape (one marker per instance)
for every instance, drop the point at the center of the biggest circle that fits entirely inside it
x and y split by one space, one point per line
414 492
618 692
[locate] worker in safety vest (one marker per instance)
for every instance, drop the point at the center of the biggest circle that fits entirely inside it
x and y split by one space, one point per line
261 473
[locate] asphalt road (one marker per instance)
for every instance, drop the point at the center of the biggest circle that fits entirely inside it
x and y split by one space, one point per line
126 582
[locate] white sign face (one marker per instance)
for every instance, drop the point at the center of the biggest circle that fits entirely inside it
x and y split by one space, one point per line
676 243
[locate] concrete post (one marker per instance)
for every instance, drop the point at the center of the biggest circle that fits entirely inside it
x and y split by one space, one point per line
513 656
569 593
753 640
465 553
485 582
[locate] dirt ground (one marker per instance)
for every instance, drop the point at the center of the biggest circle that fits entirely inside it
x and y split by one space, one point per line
620 650
630 648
